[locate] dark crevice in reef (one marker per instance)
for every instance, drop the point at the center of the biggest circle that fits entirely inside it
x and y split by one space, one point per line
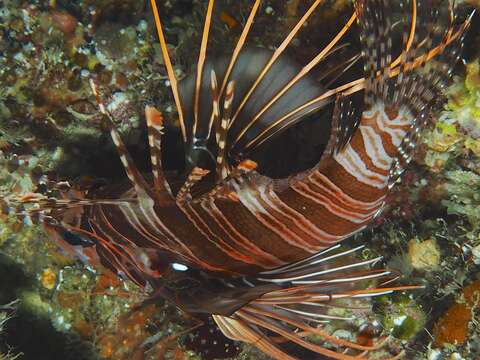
29 333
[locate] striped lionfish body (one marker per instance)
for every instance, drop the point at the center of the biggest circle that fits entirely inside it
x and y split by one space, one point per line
260 253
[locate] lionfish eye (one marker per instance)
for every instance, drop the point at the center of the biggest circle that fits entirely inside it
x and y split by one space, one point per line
179 267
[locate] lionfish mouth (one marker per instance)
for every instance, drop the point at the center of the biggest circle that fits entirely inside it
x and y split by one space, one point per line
260 254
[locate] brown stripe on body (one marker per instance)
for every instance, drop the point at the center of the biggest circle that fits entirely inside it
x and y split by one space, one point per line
234 236
298 222
207 253
284 222
215 236
116 258
178 242
358 145
334 226
250 226
124 226
185 226
388 145
252 191
316 190
335 193
349 184
123 235
379 116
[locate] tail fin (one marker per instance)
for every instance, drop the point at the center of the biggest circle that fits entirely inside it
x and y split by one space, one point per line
287 322
428 32
401 96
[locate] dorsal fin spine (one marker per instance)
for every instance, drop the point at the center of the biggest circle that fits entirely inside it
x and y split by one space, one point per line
170 71
200 65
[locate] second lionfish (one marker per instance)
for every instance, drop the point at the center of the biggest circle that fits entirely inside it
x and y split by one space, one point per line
260 254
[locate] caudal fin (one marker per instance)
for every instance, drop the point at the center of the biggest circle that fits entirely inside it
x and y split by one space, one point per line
404 87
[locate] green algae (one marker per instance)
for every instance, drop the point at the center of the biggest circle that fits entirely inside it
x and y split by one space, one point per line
403 317
463 199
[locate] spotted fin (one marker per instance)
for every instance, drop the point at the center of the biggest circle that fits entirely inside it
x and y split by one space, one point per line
431 84
401 94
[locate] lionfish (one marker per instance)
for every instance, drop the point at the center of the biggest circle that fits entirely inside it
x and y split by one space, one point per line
261 255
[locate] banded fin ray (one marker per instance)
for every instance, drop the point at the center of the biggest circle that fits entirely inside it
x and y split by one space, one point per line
359 84
275 117
268 85
299 310
170 70
438 76
154 119
414 93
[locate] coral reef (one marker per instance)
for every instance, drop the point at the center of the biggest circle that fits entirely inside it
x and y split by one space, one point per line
430 232
424 255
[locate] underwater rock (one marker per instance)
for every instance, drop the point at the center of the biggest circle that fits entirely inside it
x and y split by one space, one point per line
463 195
424 255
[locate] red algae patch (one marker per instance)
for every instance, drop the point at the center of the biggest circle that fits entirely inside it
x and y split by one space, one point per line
65 22
452 328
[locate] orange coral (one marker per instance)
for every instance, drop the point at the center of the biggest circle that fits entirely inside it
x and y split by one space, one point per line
452 327
48 279
228 19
